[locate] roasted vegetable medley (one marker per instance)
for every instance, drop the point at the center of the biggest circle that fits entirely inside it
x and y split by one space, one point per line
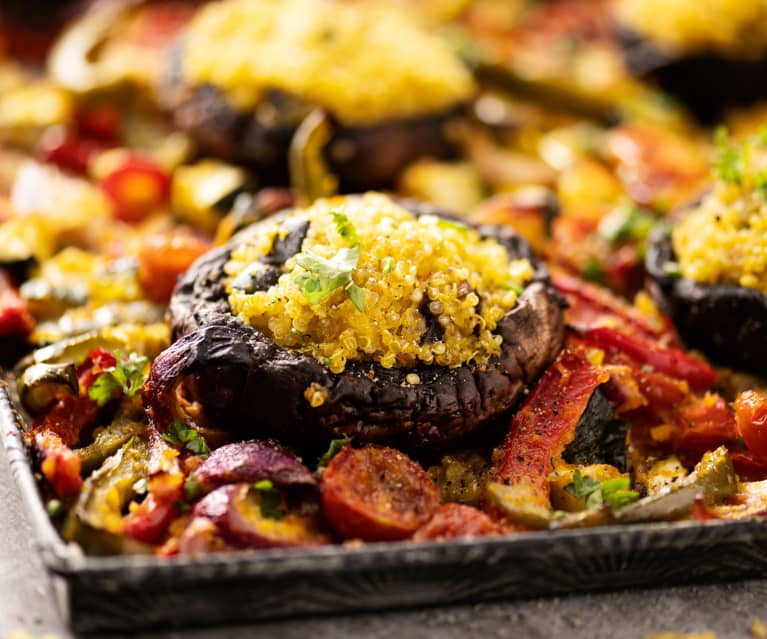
285 274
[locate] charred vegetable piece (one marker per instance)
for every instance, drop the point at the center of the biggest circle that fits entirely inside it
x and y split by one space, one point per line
546 423
461 477
521 502
599 437
42 384
128 422
242 514
728 323
714 479
99 509
251 462
377 494
447 403
457 520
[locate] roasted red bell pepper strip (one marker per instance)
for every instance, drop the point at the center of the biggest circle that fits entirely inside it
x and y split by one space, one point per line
137 188
150 521
671 361
15 318
546 422
592 306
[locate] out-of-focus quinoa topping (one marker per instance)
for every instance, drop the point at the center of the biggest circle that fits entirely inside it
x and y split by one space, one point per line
406 268
724 239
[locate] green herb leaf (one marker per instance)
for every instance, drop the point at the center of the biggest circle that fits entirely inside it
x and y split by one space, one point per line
271 499
128 375
388 265
180 434
325 276
617 493
54 508
192 488
613 492
335 447
356 295
510 286
592 270
345 228
672 269
630 223
443 223
729 163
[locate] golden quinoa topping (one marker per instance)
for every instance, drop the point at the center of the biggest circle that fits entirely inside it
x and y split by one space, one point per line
362 64
734 28
367 273
724 239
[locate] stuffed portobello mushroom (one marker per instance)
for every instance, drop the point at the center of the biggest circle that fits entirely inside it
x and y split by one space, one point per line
247 73
710 270
708 57
356 317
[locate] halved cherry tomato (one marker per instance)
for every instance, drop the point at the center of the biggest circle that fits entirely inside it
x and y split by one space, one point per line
137 188
15 318
457 520
377 494
751 420
163 257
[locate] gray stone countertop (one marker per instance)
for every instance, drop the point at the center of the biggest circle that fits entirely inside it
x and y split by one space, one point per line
27 606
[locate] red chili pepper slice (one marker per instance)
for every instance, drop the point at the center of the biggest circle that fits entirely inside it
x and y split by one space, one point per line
137 188
546 422
671 361
15 318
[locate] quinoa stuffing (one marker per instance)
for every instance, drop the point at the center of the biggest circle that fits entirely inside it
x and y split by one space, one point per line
724 239
368 273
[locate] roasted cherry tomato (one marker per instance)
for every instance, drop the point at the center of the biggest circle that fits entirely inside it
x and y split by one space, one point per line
751 420
165 256
137 188
457 520
377 494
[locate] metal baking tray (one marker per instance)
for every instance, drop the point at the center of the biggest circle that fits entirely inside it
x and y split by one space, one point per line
128 593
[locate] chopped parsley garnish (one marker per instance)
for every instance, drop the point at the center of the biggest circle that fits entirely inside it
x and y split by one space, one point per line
271 499
128 375
192 488
180 434
630 223
443 223
592 270
388 265
345 228
728 165
510 286
324 276
335 447
613 492
54 508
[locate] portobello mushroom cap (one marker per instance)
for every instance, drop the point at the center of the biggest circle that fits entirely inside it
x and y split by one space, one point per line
705 83
726 322
362 157
238 380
